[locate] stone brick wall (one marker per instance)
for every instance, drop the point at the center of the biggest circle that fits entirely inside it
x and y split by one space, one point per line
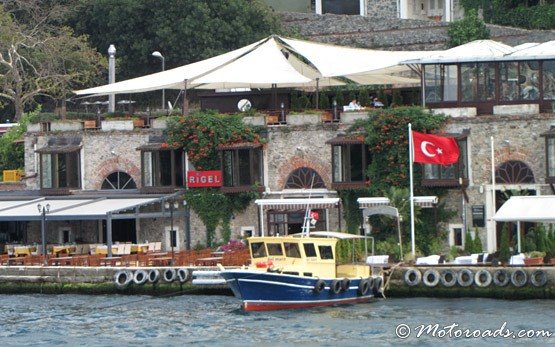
381 8
391 33
525 144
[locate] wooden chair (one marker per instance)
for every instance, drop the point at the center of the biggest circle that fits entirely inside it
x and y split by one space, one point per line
143 259
33 260
4 259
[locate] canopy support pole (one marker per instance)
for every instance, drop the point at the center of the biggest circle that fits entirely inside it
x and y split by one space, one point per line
317 93
518 237
109 233
185 109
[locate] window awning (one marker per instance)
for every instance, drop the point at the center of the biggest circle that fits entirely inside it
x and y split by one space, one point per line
240 145
527 209
422 201
346 140
77 208
297 204
61 145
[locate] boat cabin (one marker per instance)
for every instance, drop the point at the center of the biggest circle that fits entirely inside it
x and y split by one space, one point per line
301 256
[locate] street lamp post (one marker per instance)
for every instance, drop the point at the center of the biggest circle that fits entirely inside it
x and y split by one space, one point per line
173 236
111 76
161 57
43 210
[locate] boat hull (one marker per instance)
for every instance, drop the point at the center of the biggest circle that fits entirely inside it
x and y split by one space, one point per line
264 291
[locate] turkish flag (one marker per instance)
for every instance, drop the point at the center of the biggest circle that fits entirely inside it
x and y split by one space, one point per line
432 149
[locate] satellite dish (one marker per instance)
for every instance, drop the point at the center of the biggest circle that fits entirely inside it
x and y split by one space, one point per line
244 105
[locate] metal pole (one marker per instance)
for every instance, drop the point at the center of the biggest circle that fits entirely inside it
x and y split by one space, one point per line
412 242
171 230
163 90
109 234
43 232
111 76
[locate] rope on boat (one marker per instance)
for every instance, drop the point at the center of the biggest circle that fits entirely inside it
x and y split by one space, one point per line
386 285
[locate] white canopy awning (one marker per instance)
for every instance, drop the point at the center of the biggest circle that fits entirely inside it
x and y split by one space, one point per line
297 204
535 51
422 201
274 61
475 51
527 209
70 209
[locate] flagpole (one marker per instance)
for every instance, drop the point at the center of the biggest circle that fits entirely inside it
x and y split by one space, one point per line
493 246
411 159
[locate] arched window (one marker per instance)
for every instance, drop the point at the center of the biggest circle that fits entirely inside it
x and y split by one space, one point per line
301 178
118 180
514 172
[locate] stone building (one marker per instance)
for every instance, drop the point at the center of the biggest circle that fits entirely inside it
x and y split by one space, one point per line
437 10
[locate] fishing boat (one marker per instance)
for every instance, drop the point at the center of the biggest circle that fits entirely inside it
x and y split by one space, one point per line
300 271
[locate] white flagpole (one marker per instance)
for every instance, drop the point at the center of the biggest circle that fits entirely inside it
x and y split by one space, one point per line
411 155
494 237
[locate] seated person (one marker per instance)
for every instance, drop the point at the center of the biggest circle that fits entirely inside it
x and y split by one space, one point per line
354 105
377 103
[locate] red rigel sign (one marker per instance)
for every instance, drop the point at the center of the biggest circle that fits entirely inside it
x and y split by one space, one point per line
204 179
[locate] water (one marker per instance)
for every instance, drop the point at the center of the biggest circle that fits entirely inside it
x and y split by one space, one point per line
115 320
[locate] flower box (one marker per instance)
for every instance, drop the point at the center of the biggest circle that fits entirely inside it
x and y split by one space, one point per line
89 124
138 123
111 125
533 261
272 119
66 125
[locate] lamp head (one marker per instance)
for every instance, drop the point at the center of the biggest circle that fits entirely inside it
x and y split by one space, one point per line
112 50
157 55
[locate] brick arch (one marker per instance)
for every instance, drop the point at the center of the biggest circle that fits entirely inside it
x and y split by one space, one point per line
503 155
298 162
116 164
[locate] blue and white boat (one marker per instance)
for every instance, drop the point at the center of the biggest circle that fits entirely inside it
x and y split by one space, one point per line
300 271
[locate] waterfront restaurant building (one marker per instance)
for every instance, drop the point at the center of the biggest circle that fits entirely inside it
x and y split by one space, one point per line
507 96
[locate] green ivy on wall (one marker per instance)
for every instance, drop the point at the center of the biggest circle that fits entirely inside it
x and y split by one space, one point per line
387 139
200 134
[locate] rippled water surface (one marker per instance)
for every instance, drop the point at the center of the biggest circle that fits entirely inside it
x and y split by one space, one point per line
217 320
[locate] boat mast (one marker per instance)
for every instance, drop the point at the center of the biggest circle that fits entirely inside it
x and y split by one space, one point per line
306 221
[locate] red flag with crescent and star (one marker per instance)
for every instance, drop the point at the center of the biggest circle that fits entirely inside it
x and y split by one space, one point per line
433 149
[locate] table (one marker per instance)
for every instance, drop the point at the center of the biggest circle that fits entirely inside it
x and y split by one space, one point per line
63 249
211 261
139 248
104 249
22 250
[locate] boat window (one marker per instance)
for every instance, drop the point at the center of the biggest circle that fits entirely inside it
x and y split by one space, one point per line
309 249
274 249
325 252
258 250
292 250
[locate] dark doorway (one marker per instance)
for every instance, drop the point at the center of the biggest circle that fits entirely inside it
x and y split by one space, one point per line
123 230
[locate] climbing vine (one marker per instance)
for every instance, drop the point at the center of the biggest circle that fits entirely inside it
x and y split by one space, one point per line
200 134
387 139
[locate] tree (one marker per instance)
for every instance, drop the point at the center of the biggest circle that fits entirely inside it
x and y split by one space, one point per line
38 57
468 29
183 31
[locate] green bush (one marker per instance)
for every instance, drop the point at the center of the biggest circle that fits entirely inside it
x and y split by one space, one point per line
477 242
530 241
504 250
468 243
468 29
